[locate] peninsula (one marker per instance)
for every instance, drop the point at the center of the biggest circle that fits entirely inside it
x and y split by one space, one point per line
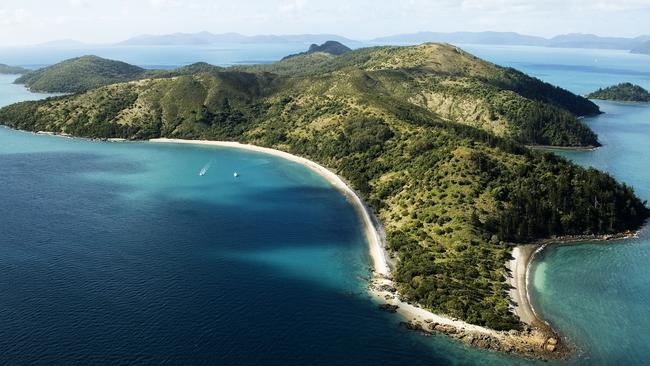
15 70
432 138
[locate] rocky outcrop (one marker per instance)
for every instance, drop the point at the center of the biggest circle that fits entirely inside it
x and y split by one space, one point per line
532 342
388 308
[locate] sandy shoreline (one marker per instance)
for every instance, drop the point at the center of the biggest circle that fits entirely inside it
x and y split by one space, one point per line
519 267
375 240
530 342
381 269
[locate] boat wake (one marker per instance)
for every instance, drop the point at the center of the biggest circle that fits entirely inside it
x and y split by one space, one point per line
204 170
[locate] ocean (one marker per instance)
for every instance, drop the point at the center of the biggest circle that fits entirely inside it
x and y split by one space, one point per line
123 253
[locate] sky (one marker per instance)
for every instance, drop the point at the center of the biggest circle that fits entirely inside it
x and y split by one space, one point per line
24 22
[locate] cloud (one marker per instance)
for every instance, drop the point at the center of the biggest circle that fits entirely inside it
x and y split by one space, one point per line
78 3
292 6
14 16
548 6
160 4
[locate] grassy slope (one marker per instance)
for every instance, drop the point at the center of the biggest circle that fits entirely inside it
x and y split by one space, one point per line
451 195
80 74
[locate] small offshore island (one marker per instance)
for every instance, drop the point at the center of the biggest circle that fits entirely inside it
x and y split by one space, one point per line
624 92
431 138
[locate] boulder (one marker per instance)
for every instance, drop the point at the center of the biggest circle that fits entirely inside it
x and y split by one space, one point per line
551 347
389 308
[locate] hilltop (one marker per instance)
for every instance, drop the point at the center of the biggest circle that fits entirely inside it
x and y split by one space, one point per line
330 47
79 74
431 136
16 70
624 92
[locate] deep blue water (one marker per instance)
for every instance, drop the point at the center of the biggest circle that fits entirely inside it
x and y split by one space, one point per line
121 253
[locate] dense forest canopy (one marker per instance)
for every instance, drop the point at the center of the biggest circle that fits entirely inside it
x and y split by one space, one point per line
624 92
431 136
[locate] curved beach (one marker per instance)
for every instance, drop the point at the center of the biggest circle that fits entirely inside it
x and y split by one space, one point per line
530 342
375 241
519 267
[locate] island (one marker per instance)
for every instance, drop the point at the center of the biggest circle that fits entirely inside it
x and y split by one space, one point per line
624 92
642 49
79 74
12 70
330 47
432 140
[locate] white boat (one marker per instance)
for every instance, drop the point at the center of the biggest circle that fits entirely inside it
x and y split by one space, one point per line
235 174
204 170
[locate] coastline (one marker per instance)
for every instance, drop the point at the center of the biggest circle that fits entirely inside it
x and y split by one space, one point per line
519 267
562 148
375 239
518 277
531 342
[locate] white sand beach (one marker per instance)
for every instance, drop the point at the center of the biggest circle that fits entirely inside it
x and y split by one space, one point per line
373 236
519 267
382 287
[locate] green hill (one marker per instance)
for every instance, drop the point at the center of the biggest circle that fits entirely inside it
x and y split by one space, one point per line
459 87
429 135
624 92
80 74
16 70
330 47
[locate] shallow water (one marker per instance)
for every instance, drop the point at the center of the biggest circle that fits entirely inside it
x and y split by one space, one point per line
599 294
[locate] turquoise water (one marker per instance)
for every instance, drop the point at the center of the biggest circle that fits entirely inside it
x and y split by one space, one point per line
121 251
597 295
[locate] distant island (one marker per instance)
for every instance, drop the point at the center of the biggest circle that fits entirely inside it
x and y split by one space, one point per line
624 92
15 70
333 48
431 137
207 38
573 40
643 48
